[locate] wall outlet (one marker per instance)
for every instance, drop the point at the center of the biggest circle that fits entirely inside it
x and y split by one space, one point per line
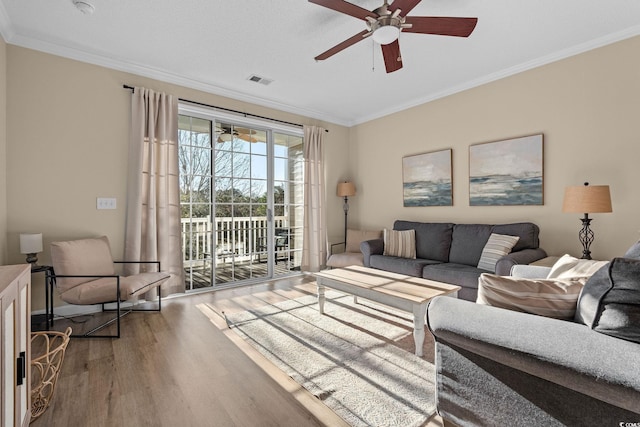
106 203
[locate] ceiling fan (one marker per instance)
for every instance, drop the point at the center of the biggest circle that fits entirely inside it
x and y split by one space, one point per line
227 133
386 22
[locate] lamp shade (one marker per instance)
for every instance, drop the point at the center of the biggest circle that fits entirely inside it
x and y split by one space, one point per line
587 199
346 189
30 243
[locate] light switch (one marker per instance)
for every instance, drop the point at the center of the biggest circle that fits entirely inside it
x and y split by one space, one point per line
106 203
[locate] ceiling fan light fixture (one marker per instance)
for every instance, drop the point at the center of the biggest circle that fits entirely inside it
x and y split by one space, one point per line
225 137
385 23
386 34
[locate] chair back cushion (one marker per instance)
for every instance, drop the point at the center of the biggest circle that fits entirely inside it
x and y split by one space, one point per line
89 257
355 237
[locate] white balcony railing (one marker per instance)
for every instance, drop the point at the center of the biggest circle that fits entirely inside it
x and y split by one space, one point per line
230 239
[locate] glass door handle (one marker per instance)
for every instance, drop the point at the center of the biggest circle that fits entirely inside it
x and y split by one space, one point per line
269 215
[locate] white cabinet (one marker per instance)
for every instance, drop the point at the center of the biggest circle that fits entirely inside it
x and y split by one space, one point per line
15 345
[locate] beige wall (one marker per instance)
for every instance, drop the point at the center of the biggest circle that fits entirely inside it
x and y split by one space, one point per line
587 107
67 145
67 130
3 152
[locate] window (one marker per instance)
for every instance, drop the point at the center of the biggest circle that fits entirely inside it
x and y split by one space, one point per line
241 199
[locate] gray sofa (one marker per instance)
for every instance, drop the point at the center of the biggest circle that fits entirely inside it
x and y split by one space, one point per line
449 252
497 367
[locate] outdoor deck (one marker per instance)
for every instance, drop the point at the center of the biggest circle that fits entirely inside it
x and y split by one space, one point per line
200 277
239 248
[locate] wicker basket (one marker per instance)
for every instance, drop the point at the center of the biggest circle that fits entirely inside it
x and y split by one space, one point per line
46 367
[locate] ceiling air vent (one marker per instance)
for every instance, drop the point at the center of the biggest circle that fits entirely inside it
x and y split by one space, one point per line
258 79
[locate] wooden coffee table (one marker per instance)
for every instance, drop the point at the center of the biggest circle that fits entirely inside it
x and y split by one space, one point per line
406 293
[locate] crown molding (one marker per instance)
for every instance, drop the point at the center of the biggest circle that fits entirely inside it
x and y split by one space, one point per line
9 35
161 75
501 74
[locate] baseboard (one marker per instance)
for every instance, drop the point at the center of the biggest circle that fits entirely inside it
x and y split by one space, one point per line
70 310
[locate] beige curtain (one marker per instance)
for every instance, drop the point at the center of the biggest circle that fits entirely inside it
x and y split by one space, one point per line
153 199
314 234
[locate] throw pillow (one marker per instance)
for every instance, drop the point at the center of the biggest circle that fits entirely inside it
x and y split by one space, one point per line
610 300
568 266
496 247
633 251
545 297
400 243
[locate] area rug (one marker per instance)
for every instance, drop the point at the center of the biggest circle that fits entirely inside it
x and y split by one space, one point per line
346 358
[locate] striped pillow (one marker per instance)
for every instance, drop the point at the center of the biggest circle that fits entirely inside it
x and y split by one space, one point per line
400 243
557 298
497 246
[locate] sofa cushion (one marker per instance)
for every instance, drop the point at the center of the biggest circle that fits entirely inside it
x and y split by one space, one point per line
433 239
610 300
528 233
410 267
467 243
497 246
456 274
400 243
555 298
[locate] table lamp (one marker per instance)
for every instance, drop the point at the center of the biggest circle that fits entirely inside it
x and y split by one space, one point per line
31 244
587 199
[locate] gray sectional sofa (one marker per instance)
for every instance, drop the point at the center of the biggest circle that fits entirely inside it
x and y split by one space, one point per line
449 252
497 367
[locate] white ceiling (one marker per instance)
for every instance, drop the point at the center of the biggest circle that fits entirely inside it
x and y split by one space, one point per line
215 45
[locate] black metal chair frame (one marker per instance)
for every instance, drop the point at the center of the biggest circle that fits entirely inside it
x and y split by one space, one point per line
51 282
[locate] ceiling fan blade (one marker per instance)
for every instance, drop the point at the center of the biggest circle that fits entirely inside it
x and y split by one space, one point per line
392 57
341 46
440 25
346 8
247 138
405 6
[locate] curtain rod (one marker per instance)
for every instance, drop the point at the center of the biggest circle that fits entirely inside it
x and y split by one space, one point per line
131 88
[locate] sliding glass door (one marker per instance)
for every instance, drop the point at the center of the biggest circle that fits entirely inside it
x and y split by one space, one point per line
241 201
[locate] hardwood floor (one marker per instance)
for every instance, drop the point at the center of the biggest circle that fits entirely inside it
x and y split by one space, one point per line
176 368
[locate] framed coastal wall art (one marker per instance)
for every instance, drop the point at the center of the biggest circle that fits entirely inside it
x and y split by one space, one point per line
427 179
507 172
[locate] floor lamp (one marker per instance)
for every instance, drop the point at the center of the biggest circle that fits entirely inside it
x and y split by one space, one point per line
587 199
346 189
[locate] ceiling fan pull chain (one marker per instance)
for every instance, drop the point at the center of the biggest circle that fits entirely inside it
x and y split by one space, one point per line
373 57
